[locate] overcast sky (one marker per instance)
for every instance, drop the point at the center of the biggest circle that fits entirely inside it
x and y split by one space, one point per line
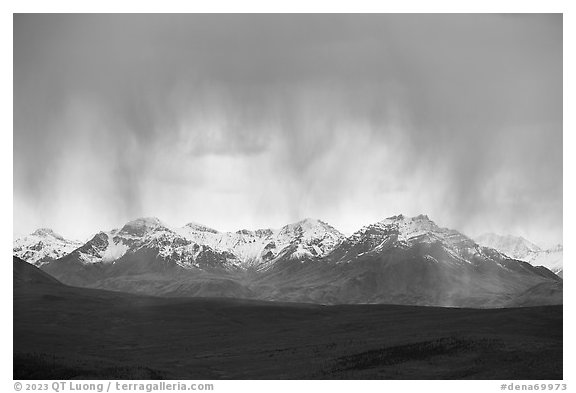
250 121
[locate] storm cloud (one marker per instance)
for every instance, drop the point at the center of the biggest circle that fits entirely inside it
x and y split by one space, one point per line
258 120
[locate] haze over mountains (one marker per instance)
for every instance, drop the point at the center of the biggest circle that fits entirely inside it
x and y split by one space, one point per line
399 260
519 248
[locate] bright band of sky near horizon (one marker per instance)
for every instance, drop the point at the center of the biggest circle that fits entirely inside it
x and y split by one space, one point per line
254 121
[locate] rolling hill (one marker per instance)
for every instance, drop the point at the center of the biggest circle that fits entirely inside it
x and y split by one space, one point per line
62 332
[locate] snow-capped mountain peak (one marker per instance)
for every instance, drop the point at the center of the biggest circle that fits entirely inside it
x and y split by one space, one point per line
43 245
514 246
402 232
410 227
519 248
311 237
199 227
47 232
309 227
140 226
420 228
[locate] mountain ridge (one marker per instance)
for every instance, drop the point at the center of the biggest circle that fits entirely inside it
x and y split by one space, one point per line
519 248
398 260
43 245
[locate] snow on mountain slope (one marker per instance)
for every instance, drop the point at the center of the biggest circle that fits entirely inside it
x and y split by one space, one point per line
404 232
42 246
421 228
93 250
310 238
103 247
114 250
195 244
514 246
551 258
314 238
148 234
405 260
400 260
519 248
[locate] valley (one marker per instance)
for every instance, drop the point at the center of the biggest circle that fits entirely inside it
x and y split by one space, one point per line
61 332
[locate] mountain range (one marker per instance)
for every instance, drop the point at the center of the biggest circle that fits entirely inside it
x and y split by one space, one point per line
519 248
400 260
